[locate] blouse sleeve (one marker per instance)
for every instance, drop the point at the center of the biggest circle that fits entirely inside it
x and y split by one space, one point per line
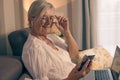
36 62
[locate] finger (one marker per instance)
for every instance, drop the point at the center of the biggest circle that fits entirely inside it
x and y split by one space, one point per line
56 21
77 67
83 71
90 65
87 71
57 16
65 19
60 20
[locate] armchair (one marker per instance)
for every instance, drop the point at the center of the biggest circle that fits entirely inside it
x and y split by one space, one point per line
12 67
17 40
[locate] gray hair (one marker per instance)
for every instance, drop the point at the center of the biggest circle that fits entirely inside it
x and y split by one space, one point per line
37 8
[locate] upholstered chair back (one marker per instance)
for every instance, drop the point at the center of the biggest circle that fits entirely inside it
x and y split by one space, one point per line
17 40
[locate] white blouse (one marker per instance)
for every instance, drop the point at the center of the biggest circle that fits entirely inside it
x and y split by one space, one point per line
45 63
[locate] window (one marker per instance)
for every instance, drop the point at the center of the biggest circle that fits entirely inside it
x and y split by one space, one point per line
109 24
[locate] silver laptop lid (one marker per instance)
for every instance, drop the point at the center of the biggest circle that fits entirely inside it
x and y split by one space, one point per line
115 68
116 60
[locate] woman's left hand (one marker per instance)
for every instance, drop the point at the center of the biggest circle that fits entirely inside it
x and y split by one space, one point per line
76 75
62 24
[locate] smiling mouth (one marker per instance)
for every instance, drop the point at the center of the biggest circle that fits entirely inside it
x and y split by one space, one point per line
46 25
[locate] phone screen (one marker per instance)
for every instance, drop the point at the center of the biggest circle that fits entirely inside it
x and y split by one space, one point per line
86 57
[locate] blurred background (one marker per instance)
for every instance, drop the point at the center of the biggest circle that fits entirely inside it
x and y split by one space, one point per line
93 23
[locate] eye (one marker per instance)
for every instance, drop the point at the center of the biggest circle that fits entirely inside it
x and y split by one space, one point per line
44 17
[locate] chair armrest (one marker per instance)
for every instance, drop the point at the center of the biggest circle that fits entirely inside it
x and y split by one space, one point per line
10 68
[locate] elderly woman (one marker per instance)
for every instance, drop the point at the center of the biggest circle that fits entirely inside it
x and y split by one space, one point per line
47 56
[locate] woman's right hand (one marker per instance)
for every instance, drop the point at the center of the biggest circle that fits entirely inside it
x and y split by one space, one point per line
76 75
62 24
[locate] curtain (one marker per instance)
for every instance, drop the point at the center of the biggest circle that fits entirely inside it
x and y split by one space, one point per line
84 23
109 24
10 20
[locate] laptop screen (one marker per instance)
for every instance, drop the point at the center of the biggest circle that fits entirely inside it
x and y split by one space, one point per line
115 68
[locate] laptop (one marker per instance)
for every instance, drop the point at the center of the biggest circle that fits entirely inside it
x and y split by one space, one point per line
107 74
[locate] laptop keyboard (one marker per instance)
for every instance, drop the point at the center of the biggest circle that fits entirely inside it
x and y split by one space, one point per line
101 75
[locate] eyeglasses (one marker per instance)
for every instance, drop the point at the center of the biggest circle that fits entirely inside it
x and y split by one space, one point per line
49 20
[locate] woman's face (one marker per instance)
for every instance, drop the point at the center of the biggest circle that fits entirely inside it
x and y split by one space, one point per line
47 21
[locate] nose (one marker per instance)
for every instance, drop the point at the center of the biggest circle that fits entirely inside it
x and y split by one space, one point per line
48 21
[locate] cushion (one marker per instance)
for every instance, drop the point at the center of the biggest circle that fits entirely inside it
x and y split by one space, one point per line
102 57
17 40
10 68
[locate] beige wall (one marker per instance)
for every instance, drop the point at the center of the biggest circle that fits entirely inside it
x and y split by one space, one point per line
26 4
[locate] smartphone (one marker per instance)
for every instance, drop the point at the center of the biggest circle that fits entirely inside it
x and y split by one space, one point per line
86 57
